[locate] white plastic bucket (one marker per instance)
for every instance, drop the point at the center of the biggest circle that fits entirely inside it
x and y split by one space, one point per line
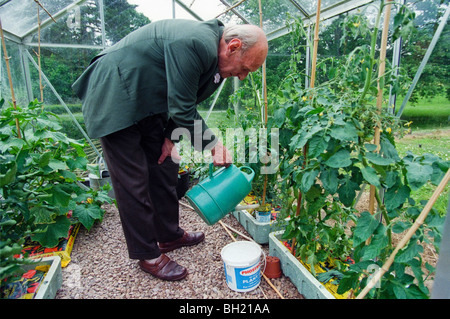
242 263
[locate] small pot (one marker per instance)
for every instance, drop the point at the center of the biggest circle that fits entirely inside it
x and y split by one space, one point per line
263 217
273 267
263 213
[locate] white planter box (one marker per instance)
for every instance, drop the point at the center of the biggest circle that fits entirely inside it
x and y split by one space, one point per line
52 280
257 230
305 282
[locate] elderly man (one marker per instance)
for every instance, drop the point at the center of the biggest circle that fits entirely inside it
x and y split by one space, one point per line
135 94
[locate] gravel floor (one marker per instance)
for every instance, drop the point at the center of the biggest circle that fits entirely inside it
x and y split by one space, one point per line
100 267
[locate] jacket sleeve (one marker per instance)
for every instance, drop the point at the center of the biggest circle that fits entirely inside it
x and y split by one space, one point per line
185 61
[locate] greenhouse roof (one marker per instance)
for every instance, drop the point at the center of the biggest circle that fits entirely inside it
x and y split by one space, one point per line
19 18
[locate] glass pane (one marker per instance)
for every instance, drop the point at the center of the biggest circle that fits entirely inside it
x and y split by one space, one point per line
20 16
206 9
80 25
17 76
310 6
274 12
154 9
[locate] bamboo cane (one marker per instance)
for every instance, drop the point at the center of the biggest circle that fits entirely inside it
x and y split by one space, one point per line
13 97
263 204
41 88
381 70
312 81
40 4
234 239
311 84
419 221
316 44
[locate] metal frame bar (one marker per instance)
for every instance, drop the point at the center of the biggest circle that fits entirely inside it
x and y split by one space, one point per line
12 37
300 8
102 22
308 60
424 62
72 46
44 77
327 13
26 72
396 56
219 90
236 12
185 7
49 21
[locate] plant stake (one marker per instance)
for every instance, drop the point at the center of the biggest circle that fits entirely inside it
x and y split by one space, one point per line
419 221
19 135
263 205
41 87
311 85
381 71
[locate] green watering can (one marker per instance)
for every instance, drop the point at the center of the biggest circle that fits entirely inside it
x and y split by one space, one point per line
219 194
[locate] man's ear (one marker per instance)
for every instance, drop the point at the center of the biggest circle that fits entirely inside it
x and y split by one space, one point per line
234 46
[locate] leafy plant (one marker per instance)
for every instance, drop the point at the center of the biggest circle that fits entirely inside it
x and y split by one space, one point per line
254 141
327 138
40 196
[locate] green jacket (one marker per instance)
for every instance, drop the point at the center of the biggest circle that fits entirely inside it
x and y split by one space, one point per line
167 67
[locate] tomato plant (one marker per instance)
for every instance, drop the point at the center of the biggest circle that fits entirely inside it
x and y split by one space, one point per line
329 155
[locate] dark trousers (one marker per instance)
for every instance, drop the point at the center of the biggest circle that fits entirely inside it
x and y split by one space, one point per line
145 190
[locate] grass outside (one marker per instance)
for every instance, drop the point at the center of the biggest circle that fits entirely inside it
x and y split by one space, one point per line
428 113
439 106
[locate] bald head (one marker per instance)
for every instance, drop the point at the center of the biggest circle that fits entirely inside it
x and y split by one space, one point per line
242 49
249 35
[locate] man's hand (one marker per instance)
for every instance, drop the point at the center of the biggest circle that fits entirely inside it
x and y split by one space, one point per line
221 156
169 149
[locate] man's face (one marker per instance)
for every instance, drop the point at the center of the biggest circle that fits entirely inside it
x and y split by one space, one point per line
232 62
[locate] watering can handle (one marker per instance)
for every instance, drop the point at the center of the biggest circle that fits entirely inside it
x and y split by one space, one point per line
250 175
211 170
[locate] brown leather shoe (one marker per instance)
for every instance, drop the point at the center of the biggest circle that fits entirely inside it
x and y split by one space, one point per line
188 239
164 268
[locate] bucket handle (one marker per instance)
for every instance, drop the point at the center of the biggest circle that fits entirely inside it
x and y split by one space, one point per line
250 175
265 263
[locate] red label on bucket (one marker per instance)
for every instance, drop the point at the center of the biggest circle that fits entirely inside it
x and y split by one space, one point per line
250 271
247 278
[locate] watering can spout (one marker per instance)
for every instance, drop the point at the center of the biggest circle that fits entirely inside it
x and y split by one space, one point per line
221 192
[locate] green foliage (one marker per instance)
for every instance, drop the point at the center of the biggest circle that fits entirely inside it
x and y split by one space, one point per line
329 155
40 196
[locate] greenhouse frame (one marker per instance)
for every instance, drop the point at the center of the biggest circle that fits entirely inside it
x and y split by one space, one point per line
21 27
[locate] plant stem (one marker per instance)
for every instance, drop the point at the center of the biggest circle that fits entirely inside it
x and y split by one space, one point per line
373 44
385 216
